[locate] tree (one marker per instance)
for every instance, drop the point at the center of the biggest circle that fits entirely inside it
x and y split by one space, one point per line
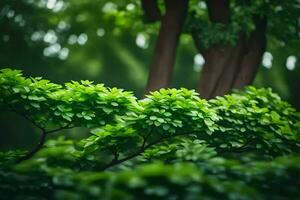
232 39
230 34
169 145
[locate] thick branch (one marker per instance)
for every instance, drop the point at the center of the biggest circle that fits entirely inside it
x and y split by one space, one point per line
151 10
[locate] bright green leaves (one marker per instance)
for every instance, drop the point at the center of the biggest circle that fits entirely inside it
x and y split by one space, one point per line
178 144
255 119
78 103
115 140
181 150
173 111
258 118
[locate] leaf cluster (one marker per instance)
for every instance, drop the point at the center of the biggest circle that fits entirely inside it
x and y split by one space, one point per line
170 145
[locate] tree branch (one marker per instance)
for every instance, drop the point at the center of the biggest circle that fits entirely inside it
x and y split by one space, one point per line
142 149
25 116
68 126
44 133
240 149
33 151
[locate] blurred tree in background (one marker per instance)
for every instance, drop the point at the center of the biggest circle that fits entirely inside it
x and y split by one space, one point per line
109 42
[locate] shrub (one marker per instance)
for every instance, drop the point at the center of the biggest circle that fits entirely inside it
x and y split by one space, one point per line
169 145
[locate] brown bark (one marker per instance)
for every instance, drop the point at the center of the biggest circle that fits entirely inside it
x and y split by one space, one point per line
217 56
166 44
218 10
231 68
255 48
226 66
151 10
215 61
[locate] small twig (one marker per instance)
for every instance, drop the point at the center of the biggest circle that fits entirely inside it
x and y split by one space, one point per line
68 126
115 153
145 138
239 149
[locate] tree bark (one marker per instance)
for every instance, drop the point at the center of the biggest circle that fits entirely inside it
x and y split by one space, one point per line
217 56
226 66
231 68
256 46
216 59
166 44
151 10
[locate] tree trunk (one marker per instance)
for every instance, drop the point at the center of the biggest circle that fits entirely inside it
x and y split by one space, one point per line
226 66
216 59
217 56
166 44
151 10
231 68
255 48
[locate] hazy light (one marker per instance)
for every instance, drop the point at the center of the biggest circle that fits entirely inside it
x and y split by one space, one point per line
267 60
50 37
18 18
58 6
62 25
130 7
198 62
202 5
72 39
52 50
82 39
36 36
6 38
109 7
63 53
141 41
51 4
291 62
278 8
10 14
100 32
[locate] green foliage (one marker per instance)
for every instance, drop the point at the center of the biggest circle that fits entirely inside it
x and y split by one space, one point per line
169 145
258 118
277 13
75 104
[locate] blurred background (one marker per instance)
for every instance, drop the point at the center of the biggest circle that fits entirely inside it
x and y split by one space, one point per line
107 42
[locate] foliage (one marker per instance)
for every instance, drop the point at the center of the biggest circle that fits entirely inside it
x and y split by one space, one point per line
277 13
169 145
